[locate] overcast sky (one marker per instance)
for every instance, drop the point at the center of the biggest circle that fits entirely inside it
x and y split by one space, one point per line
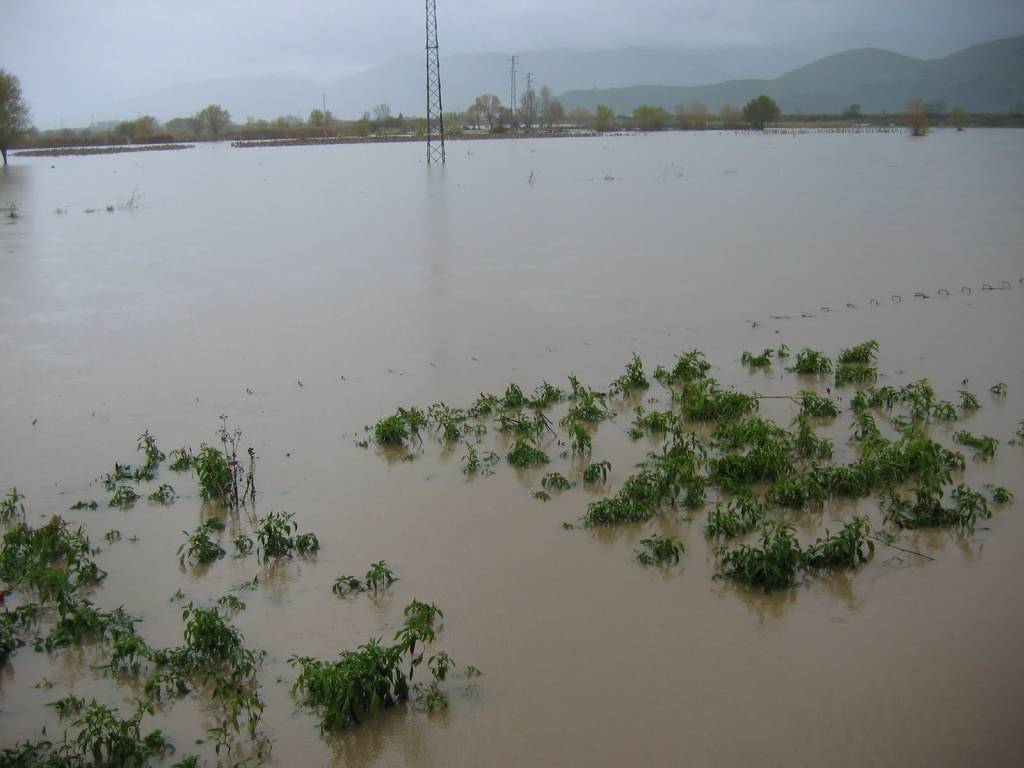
69 53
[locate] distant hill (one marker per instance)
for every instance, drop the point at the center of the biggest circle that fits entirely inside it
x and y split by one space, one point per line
983 78
401 82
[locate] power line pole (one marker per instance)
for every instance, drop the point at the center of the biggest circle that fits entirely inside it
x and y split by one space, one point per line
512 72
533 102
435 116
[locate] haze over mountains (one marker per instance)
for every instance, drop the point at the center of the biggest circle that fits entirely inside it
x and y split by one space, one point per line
985 77
982 78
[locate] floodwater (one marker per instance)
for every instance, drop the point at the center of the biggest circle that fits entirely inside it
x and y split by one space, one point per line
377 281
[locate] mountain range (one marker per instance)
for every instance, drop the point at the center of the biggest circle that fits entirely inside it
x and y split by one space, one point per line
982 78
985 77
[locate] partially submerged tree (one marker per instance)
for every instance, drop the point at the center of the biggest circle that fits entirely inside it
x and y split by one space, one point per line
729 115
551 109
917 117
13 112
960 116
580 116
214 119
528 109
648 118
488 106
761 110
693 116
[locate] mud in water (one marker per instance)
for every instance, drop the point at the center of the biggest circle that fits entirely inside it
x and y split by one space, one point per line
222 279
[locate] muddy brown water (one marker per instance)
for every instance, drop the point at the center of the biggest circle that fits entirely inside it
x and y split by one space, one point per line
377 281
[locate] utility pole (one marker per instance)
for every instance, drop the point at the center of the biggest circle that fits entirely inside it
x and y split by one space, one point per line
533 102
435 115
512 72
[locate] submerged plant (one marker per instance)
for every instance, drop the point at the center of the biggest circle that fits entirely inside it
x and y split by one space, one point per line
580 440
12 506
984 446
199 547
927 510
82 505
998 390
659 550
181 460
736 518
277 535
809 361
1001 495
525 455
855 373
555 481
764 360
347 585
705 400
812 404
651 422
361 683
162 495
124 496
849 548
771 566
968 401
597 472
690 366
243 545
380 576
632 380
476 462
862 354
213 473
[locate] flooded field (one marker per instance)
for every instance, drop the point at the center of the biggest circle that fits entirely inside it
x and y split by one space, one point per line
307 292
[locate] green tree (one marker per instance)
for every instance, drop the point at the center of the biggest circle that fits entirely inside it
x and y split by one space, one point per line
648 118
487 106
13 111
761 110
214 119
603 118
852 112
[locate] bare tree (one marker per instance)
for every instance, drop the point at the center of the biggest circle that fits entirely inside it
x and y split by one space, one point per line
382 113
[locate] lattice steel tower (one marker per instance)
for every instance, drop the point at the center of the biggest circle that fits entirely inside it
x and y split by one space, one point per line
435 117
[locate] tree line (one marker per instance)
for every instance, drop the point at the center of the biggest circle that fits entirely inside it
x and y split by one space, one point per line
536 110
